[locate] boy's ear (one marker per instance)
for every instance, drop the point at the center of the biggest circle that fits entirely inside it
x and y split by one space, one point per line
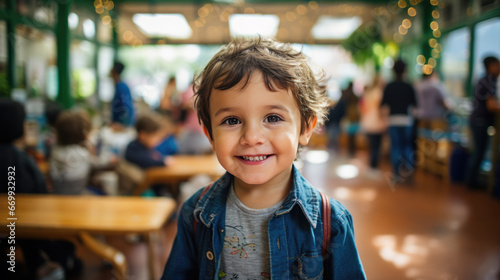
308 131
205 131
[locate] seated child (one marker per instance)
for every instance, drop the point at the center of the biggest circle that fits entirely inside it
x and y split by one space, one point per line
28 178
258 101
22 176
141 151
71 161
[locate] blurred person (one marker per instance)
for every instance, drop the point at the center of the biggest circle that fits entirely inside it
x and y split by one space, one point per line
71 160
431 98
122 106
352 116
258 100
192 140
143 150
332 126
166 102
400 99
25 178
485 106
52 111
373 121
28 177
168 145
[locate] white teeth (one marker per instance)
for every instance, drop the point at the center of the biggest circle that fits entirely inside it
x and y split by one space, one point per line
258 158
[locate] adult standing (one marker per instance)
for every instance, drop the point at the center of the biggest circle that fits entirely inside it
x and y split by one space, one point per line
122 106
431 98
399 98
373 122
485 105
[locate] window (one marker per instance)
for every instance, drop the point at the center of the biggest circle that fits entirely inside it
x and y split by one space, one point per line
455 61
486 43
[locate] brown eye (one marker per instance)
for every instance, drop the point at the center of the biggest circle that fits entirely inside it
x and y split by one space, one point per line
273 119
231 121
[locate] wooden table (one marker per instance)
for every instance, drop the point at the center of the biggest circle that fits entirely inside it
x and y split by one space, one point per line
76 217
182 168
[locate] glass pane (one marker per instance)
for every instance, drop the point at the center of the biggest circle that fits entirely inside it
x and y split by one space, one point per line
455 61
4 86
104 31
148 68
41 11
106 85
487 43
83 76
36 61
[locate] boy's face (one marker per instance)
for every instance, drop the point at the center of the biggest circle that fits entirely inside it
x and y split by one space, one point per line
256 132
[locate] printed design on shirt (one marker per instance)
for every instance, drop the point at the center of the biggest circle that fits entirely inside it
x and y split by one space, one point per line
234 276
238 242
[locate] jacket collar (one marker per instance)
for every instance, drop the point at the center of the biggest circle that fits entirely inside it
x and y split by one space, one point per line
302 194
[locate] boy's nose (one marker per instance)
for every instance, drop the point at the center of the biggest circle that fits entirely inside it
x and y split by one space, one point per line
253 134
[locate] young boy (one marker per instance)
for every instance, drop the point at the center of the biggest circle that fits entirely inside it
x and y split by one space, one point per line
142 151
258 100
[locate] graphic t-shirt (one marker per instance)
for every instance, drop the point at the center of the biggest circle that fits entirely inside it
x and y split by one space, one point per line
246 246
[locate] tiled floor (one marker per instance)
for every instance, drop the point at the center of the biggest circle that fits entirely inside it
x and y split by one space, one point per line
426 229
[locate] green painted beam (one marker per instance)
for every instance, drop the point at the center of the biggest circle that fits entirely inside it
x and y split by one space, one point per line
11 48
226 2
469 87
63 37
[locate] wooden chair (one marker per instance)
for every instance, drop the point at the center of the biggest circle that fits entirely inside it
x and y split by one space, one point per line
108 253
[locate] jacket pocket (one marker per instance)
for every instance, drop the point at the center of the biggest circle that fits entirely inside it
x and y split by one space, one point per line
308 266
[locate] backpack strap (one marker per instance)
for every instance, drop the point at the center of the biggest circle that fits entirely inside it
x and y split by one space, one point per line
205 190
327 217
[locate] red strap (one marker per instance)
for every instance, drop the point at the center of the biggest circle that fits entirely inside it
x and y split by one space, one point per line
195 224
327 216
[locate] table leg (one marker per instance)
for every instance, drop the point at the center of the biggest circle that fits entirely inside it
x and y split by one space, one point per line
152 238
115 257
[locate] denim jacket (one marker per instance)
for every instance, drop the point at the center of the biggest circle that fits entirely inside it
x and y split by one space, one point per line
295 237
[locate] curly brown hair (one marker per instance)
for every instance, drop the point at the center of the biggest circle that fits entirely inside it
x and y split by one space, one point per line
281 66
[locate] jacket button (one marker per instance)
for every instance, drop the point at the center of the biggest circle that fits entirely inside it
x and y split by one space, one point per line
210 255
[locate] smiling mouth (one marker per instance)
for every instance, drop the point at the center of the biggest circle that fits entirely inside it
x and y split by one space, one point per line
254 158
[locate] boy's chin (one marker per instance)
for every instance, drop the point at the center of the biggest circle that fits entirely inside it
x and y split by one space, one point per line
253 181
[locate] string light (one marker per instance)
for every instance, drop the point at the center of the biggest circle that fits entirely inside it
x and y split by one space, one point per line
301 9
434 25
432 62
402 30
412 12
432 42
421 59
406 23
313 5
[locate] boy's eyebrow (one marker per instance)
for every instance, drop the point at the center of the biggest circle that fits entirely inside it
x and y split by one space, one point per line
268 107
223 110
278 107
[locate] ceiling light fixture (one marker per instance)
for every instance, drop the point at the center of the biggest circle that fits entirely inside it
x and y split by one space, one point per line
251 25
328 27
173 26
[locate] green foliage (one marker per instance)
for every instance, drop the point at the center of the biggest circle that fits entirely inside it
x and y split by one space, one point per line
365 45
4 85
